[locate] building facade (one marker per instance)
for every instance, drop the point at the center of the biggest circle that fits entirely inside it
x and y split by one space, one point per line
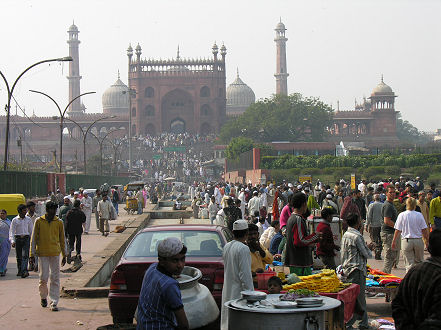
177 95
373 122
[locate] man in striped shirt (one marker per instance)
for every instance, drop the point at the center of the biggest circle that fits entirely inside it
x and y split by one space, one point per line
160 304
299 242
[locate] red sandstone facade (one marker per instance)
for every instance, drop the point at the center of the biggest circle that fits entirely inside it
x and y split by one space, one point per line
177 95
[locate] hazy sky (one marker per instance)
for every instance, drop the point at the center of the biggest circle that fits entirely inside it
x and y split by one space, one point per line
336 50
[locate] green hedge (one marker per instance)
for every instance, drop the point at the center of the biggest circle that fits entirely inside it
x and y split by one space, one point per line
394 162
331 174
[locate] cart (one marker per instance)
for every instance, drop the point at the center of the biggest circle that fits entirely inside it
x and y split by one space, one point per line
131 205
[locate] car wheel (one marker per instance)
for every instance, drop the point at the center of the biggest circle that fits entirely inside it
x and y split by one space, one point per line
120 319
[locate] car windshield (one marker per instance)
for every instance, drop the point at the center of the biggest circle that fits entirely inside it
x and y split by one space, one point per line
198 243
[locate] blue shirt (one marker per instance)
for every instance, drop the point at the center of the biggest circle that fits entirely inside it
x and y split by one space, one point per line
159 298
275 242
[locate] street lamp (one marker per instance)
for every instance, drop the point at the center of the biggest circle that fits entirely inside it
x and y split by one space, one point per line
11 91
62 114
100 142
84 133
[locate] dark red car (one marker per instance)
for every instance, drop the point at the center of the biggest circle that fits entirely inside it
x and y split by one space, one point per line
205 244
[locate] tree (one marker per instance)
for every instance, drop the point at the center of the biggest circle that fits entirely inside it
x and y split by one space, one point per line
238 146
407 133
281 118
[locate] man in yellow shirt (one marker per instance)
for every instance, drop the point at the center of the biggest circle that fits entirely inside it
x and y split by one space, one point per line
260 256
47 243
435 212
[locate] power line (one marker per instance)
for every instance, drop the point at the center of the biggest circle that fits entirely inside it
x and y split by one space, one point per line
24 113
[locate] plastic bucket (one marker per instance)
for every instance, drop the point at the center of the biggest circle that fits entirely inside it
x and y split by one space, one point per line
262 279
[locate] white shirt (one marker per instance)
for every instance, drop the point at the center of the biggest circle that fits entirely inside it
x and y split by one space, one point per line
105 208
237 275
411 224
267 236
87 204
260 227
19 227
254 205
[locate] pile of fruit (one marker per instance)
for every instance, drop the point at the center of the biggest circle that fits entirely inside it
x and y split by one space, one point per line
326 281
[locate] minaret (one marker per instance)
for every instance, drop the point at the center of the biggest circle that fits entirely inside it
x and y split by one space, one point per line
74 71
281 68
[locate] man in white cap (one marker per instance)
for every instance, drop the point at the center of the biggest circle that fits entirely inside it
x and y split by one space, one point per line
160 304
328 202
237 268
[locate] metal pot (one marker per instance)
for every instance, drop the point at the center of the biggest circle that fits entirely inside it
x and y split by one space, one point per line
199 305
264 316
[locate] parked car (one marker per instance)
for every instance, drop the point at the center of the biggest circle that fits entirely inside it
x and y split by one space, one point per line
205 245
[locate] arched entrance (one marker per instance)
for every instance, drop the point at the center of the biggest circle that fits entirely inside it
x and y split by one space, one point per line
177 126
177 111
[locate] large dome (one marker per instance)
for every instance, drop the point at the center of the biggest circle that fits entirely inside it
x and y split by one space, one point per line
239 97
382 89
115 99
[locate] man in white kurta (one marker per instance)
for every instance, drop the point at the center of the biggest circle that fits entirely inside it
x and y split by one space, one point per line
254 203
237 268
87 204
217 195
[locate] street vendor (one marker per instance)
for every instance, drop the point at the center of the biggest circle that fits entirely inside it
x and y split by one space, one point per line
354 255
299 242
260 256
160 304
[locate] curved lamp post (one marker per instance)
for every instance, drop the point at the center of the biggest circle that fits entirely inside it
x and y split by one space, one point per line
84 133
11 91
62 114
100 142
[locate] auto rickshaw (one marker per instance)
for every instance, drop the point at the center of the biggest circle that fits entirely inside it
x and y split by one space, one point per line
131 201
10 202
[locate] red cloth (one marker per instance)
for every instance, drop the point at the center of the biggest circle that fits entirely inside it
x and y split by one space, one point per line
276 207
348 296
326 246
349 207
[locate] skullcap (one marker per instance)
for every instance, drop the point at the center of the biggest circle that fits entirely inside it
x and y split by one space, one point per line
169 247
240 225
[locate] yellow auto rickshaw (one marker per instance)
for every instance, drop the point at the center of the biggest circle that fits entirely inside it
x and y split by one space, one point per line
130 190
10 202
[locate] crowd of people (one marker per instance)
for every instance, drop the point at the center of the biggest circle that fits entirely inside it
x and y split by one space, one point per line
177 164
270 223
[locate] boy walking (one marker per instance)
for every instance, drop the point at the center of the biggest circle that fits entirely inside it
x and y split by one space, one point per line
47 242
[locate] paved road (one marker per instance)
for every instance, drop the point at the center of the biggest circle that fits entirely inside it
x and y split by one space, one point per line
20 307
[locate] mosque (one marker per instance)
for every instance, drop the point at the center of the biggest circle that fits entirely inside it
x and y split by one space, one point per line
185 95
